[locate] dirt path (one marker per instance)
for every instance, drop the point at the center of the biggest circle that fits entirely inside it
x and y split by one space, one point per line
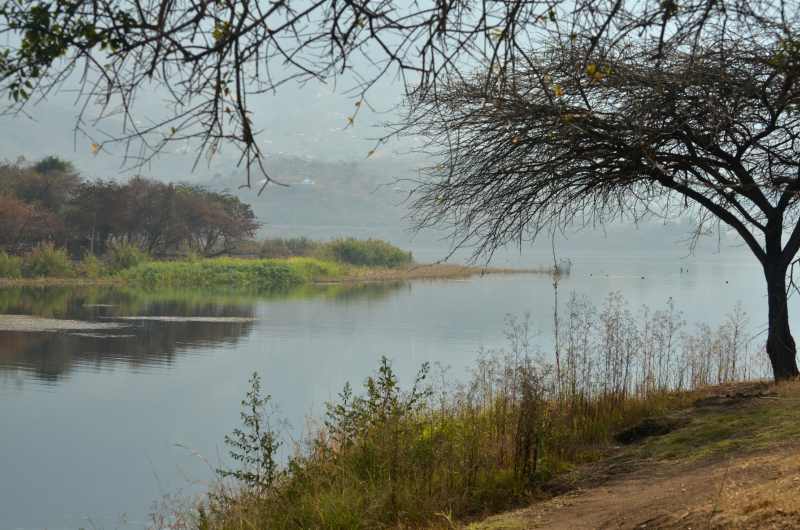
756 491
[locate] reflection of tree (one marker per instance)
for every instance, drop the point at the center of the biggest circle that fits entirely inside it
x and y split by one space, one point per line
89 303
51 355
31 301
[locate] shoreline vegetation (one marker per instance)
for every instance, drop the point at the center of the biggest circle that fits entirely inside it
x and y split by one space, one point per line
437 452
59 228
433 271
337 261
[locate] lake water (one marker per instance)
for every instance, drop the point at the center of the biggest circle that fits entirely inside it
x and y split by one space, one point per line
96 426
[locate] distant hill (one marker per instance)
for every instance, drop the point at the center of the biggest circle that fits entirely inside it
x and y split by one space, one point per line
347 194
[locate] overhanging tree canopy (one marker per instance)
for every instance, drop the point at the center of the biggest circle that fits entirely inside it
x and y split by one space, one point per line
637 128
212 56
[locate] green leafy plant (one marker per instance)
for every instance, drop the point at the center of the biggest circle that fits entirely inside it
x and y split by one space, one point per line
10 266
47 261
122 256
255 445
91 266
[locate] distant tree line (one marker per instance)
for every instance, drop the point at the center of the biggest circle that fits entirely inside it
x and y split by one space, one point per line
49 202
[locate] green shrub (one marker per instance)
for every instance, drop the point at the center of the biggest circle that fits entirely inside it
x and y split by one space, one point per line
311 269
122 256
91 266
365 253
10 266
47 261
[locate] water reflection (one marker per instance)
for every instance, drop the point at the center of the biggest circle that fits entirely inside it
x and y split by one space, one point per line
192 320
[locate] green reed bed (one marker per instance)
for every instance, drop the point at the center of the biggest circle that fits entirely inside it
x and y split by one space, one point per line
260 274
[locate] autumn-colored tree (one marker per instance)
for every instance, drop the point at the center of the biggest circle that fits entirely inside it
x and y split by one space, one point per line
48 202
23 225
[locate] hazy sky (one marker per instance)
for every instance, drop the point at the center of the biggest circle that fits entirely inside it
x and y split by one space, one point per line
307 121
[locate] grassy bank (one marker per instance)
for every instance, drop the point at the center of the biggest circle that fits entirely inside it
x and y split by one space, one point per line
232 273
259 274
283 264
381 462
438 453
422 457
277 274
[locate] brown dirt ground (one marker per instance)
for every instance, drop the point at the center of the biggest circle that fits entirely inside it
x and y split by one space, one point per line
745 489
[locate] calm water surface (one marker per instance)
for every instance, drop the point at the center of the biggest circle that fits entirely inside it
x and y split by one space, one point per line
96 426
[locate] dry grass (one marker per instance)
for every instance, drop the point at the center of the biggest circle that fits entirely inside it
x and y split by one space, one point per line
760 492
735 464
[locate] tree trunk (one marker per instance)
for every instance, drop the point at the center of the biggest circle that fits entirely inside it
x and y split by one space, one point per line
780 344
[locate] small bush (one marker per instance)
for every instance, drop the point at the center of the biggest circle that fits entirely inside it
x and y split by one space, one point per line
10 266
47 261
366 253
91 266
122 256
